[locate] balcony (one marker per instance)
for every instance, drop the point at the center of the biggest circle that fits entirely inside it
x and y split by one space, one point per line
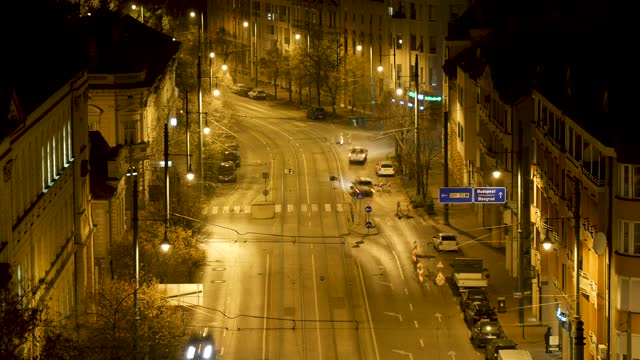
627 264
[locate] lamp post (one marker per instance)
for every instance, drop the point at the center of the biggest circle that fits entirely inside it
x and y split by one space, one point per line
245 25
134 7
199 81
133 174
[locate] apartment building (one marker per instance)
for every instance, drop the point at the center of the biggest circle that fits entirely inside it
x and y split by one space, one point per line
389 34
46 227
524 97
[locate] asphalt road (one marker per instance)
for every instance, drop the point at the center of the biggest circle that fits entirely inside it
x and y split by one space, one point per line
308 283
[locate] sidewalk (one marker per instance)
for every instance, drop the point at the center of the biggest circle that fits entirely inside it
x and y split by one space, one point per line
463 221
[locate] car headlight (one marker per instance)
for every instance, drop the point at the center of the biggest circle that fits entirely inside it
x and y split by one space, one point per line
191 352
208 351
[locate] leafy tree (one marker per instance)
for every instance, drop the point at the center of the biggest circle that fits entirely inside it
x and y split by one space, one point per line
112 329
317 65
273 64
20 319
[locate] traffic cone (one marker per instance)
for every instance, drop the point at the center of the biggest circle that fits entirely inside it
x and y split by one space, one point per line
420 272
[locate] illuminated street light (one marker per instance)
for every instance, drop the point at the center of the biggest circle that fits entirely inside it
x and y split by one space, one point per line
224 67
359 47
380 68
496 174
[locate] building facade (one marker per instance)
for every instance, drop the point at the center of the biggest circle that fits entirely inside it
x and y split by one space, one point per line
513 94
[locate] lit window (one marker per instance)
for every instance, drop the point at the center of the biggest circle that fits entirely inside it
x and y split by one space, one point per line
629 181
629 237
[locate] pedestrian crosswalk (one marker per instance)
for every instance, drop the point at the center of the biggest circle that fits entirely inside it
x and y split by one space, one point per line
278 208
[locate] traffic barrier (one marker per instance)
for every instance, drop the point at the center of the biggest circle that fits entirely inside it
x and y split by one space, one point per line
420 272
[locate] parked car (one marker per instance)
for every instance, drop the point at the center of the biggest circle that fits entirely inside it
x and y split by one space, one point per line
316 113
232 156
485 331
445 242
257 94
241 89
363 185
358 154
227 172
200 346
385 168
491 351
472 295
479 311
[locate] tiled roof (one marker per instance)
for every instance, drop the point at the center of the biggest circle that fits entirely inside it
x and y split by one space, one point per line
120 44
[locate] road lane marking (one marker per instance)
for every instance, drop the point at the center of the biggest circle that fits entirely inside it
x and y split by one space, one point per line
278 208
315 297
366 305
327 207
398 263
264 311
339 207
289 208
303 208
314 207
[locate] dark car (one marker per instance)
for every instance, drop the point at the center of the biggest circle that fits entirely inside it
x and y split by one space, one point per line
471 296
232 156
241 89
479 311
317 113
363 185
491 351
486 331
200 346
227 172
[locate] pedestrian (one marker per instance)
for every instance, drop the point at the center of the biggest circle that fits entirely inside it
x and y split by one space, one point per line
547 337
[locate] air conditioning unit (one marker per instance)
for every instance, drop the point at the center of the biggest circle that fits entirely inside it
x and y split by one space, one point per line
602 352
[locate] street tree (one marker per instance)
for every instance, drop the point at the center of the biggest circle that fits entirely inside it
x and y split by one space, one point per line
316 66
113 329
21 318
272 64
178 265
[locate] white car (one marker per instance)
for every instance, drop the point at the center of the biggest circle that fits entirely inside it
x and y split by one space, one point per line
257 94
445 242
358 154
385 168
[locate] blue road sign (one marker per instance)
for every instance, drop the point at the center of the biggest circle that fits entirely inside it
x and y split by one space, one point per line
360 195
456 195
490 195
368 224
368 208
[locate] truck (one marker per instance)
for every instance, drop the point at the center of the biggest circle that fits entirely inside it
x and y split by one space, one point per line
513 354
468 273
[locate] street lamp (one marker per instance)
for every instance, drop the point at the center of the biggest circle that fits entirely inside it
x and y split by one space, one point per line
134 7
199 76
245 25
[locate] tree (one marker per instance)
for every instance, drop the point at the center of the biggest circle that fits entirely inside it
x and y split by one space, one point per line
111 329
274 64
317 65
20 319
178 265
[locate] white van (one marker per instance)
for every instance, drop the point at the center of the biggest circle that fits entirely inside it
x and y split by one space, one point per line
445 242
512 354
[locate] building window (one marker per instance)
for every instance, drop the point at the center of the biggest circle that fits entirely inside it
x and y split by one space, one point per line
629 237
432 44
630 181
412 8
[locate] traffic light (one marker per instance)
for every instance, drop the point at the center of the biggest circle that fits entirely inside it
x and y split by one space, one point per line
580 333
